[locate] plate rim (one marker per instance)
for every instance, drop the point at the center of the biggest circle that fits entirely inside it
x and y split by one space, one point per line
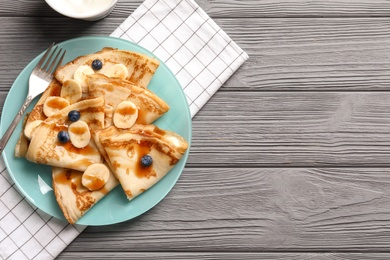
145 51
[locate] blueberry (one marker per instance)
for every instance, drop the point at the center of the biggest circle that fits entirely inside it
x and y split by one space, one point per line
97 64
63 136
74 115
146 160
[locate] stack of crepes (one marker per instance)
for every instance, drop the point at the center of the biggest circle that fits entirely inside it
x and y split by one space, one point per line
93 125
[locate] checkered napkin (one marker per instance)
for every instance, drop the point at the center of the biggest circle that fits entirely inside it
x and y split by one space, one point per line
201 56
25 231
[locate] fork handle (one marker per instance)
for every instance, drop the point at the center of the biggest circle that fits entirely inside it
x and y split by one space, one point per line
11 128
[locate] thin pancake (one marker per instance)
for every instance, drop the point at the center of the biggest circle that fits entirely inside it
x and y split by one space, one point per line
115 90
140 67
150 106
45 148
125 148
72 197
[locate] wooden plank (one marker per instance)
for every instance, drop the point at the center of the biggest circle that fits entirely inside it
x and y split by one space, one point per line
292 129
254 210
296 8
227 256
285 55
230 8
312 54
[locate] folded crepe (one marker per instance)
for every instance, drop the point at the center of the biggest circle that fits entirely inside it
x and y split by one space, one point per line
72 197
44 147
115 90
140 67
124 149
150 106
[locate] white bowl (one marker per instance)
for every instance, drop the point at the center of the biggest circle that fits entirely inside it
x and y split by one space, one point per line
89 10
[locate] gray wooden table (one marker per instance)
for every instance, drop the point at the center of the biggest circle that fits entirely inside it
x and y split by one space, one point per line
290 159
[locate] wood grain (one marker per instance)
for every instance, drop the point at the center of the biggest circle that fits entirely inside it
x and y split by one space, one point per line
230 8
285 55
289 160
293 129
312 54
296 8
256 210
228 256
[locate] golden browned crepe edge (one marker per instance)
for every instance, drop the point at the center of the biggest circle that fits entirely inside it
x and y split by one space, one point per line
161 138
162 105
22 143
148 130
76 60
58 196
110 80
64 208
150 105
144 65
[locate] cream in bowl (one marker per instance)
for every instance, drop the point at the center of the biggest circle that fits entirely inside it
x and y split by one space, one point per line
90 10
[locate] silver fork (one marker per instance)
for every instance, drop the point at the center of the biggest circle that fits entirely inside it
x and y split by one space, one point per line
39 80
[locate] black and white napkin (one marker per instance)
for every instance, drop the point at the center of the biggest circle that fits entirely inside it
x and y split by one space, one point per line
200 54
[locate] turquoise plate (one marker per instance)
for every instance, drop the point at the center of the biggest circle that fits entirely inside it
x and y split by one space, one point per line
114 207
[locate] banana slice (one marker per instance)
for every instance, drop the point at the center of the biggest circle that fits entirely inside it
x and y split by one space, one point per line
125 115
79 134
53 105
30 128
71 90
117 71
80 75
95 176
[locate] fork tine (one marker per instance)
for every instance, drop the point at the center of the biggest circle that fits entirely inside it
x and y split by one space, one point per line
44 56
48 61
53 63
60 61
